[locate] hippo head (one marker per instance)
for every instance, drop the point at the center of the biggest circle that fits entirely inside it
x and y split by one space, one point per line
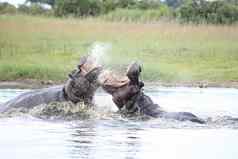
82 82
111 82
133 72
122 88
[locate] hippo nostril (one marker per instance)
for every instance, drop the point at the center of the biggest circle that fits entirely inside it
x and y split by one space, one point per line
93 75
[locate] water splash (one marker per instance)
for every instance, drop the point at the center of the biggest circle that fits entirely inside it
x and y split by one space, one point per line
99 52
68 111
99 56
61 111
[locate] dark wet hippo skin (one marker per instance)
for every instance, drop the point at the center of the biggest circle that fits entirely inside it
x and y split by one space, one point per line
131 97
145 105
34 98
80 87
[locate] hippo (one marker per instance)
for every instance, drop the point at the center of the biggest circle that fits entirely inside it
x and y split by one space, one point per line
127 94
80 87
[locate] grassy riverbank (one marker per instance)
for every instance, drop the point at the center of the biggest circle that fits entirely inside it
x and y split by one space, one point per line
48 48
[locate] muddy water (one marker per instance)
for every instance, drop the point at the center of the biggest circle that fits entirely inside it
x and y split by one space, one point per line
109 135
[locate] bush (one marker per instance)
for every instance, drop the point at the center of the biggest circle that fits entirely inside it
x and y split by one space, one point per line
235 2
78 7
138 15
216 12
34 9
6 8
97 7
23 9
108 5
148 4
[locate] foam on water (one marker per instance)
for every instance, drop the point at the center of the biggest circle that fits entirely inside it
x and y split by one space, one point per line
105 109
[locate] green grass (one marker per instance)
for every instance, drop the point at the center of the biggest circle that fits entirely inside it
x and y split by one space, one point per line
48 48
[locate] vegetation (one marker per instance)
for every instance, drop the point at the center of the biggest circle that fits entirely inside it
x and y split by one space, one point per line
48 48
34 9
137 15
78 7
6 8
186 11
217 12
49 44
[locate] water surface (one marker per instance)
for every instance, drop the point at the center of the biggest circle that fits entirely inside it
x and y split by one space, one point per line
27 137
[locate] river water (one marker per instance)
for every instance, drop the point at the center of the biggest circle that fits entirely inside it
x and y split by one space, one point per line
28 137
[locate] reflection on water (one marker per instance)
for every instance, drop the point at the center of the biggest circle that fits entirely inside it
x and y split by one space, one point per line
26 137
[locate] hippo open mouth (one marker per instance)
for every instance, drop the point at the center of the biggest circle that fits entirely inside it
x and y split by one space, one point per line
112 82
128 95
83 82
80 87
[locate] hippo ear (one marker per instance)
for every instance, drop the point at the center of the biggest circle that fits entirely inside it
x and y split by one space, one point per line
140 68
71 76
82 61
141 84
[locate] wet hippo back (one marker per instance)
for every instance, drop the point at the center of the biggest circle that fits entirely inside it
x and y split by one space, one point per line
35 97
182 116
146 106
